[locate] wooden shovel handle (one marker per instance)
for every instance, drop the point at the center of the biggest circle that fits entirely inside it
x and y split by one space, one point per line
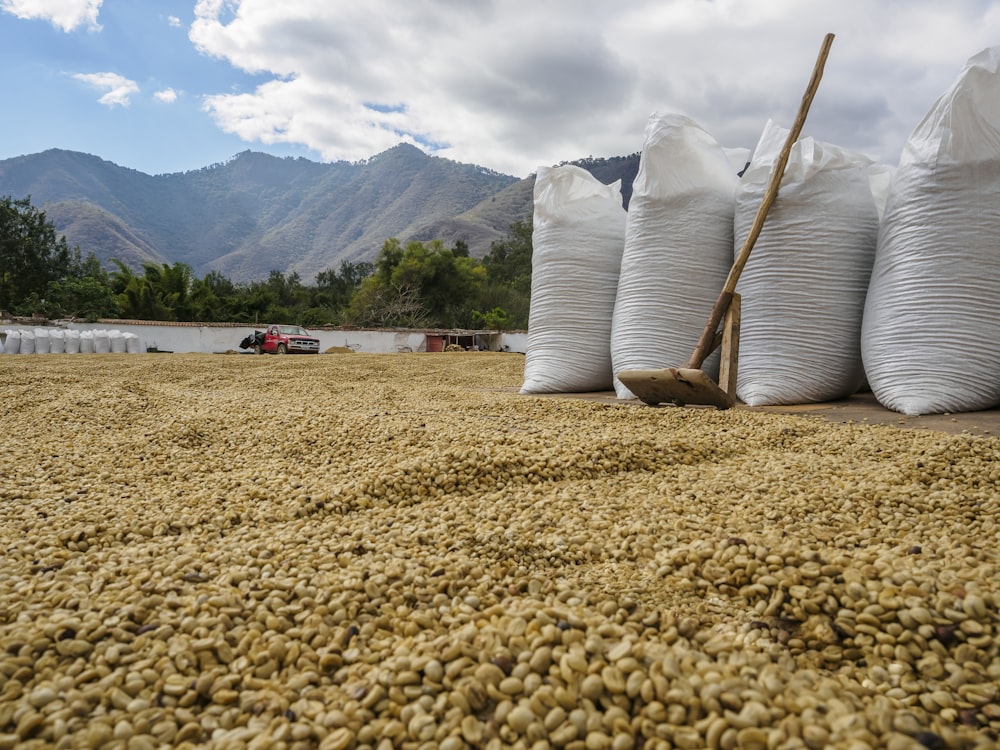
704 347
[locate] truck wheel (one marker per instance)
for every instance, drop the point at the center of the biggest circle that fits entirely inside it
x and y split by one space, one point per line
257 349
281 349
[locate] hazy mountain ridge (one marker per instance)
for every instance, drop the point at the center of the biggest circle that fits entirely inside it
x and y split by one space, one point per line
256 213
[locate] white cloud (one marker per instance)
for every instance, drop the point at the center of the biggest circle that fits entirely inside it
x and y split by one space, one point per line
174 22
118 88
516 84
64 14
167 95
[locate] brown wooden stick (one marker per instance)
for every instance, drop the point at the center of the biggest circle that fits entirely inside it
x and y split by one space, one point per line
730 348
704 347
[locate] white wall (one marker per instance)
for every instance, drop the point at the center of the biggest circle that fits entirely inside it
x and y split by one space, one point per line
515 342
210 339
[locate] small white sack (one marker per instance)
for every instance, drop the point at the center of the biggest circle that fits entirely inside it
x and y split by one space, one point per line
803 289
678 247
41 341
931 333
102 341
72 342
27 342
57 341
131 343
579 233
116 341
13 343
86 342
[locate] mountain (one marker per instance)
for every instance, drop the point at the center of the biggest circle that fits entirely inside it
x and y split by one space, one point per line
256 213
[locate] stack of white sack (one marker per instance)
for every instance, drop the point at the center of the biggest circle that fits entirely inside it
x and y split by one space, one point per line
678 247
578 236
60 341
931 333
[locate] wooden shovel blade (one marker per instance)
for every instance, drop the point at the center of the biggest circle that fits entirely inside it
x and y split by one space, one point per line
677 385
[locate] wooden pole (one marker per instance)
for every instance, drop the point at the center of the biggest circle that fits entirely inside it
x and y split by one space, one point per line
704 347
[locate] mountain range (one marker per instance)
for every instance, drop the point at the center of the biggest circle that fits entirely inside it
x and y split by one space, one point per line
257 213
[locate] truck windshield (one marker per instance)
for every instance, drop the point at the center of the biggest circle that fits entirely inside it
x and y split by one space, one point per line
293 330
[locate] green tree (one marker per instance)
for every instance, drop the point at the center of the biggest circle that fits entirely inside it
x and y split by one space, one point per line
173 285
508 266
85 293
389 257
334 289
161 293
446 284
258 302
496 319
387 306
31 255
136 298
509 260
213 299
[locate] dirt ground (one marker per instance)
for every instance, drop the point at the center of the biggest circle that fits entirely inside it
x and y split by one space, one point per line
861 408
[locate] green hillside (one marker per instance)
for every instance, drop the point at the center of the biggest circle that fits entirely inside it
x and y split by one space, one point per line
256 213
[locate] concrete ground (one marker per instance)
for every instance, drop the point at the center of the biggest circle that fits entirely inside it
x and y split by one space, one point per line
859 408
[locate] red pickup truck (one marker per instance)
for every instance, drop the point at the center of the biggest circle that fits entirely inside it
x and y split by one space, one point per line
278 339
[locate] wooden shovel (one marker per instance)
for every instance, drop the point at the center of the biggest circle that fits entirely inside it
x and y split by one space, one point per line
689 384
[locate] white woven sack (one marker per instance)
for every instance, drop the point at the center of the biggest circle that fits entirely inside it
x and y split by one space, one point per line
678 247
102 341
86 342
41 341
72 342
13 343
579 233
116 341
57 341
27 342
931 334
803 288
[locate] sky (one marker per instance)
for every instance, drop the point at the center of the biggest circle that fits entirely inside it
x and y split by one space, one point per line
166 86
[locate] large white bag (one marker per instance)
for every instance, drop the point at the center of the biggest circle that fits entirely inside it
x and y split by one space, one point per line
86 342
72 342
803 289
13 343
27 342
57 341
102 341
131 343
116 341
678 247
579 233
41 341
931 333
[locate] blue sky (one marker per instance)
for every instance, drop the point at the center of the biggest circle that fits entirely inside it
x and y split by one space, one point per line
169 86
160 126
